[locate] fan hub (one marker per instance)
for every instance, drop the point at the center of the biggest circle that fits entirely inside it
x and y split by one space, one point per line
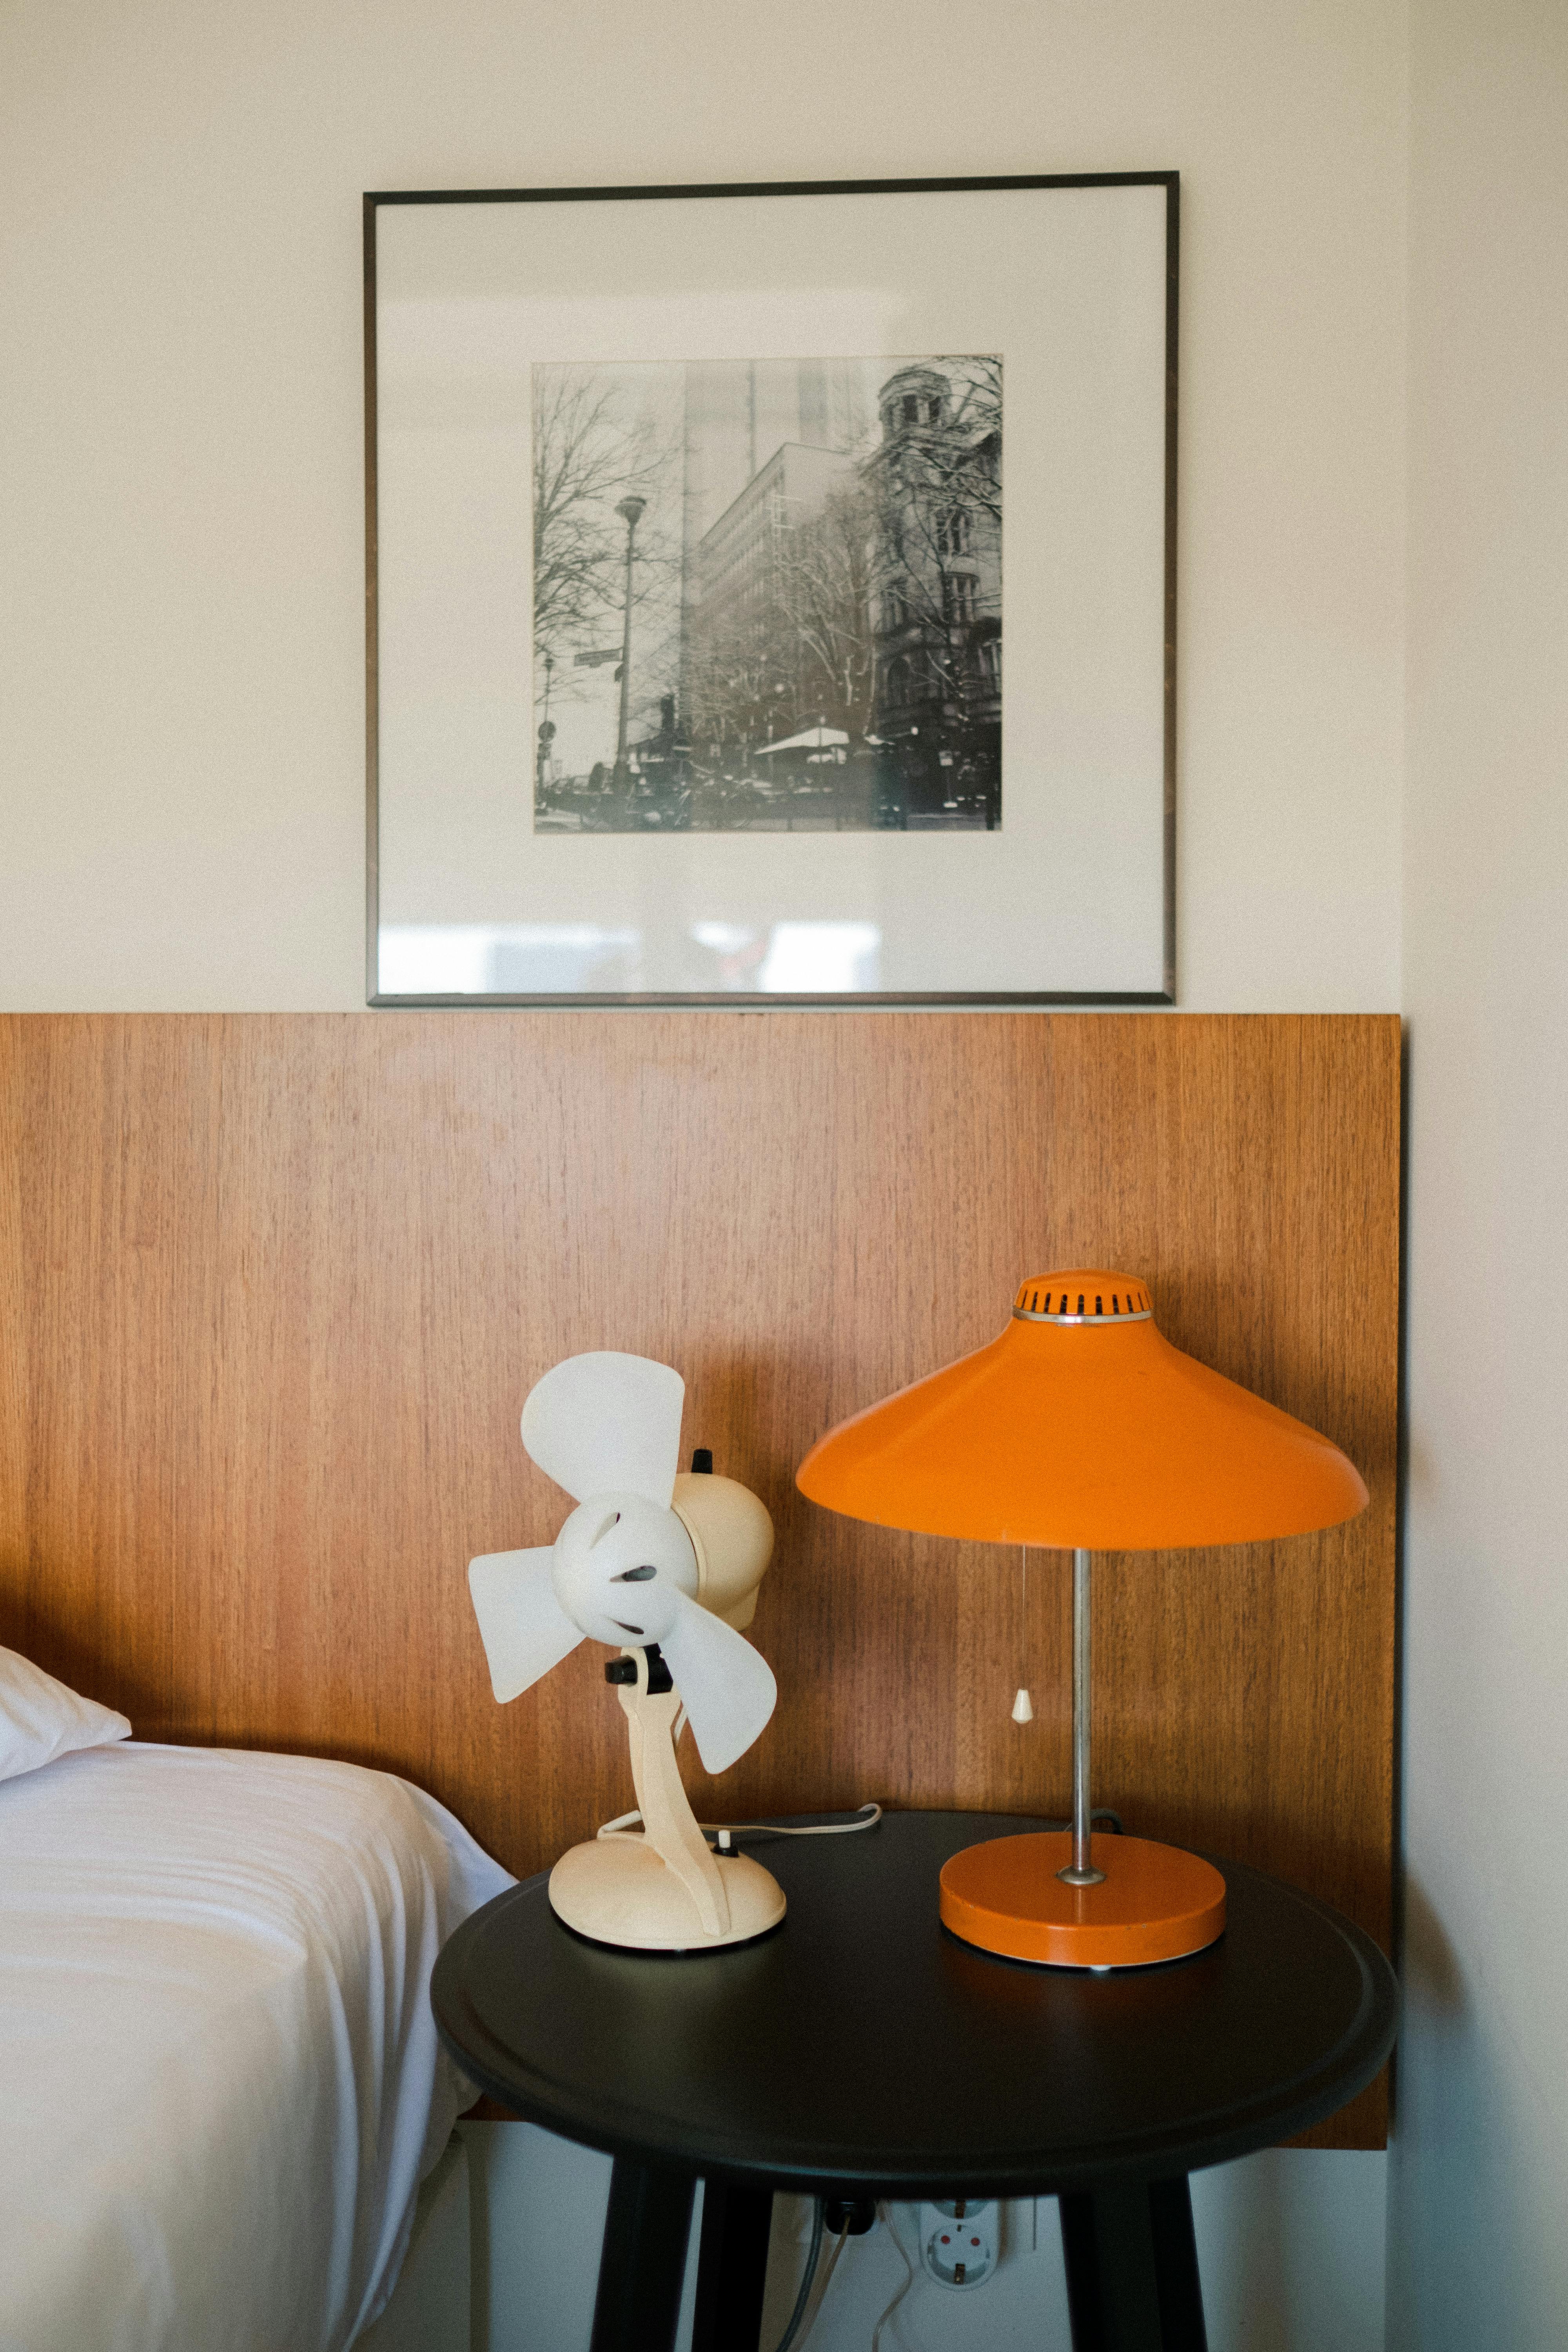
619 1563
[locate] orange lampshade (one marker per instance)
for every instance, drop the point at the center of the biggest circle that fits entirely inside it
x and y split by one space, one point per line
1082 1427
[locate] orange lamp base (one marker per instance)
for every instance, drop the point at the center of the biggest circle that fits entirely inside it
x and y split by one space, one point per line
1156 1901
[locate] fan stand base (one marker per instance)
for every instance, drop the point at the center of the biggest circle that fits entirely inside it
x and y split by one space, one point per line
1156 1901
621 1891
663 1891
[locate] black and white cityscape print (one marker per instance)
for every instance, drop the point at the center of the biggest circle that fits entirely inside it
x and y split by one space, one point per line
767 595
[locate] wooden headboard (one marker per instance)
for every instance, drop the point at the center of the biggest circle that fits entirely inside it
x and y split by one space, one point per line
272 1289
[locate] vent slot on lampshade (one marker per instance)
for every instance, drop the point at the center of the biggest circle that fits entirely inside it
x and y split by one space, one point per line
1083 1297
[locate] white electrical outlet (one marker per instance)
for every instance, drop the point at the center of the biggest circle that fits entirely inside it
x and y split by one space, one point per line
958 2240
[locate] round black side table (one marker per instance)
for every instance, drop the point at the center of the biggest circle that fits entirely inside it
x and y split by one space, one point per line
861 2050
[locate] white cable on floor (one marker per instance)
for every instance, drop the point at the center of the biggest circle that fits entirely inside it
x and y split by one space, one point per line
885 2214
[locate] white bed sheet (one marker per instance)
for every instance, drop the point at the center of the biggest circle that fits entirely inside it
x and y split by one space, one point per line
220 2083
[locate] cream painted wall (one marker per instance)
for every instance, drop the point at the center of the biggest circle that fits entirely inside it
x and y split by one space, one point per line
180 474
181 709
1480 2181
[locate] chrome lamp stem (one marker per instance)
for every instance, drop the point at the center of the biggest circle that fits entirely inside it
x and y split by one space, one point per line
1082 1871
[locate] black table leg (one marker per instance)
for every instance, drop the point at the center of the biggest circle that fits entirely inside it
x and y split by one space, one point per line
643 2260
1132 2269
732 2268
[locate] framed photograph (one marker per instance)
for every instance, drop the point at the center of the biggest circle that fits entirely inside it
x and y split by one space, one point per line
772 592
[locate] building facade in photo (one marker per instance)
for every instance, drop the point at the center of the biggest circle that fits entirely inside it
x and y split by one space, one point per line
935 479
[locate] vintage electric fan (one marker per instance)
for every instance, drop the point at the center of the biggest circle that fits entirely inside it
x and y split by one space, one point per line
664 1568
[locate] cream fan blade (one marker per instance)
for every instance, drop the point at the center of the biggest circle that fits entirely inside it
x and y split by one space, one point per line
524 1627
727 1687
607 1424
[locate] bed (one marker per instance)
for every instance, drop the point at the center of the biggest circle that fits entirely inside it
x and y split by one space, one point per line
221 2080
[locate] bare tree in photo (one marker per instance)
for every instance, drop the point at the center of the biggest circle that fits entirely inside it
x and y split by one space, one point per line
829 569
742 680
805 651
976 422
587 456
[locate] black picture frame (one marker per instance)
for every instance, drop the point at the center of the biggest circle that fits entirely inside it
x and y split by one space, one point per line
378 202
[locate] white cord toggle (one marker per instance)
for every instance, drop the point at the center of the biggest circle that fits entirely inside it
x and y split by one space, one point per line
1022 1708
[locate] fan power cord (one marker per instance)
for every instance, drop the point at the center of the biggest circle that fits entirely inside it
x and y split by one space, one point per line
807 2279
817 2274
824 2281
885 2215
865 1817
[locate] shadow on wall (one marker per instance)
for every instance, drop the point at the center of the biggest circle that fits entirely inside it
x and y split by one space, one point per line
1480 2133
85 1666
1291 2246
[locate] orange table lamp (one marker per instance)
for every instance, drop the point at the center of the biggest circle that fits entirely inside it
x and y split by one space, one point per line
1082 1429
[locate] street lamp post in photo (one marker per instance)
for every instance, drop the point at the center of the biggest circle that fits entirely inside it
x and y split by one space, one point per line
546 737
632 510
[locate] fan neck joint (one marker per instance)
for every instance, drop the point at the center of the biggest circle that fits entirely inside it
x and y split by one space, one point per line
624 1669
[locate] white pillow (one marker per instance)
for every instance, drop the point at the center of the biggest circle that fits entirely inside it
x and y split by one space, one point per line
40 1718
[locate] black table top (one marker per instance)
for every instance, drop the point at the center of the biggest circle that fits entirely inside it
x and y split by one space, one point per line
862 2048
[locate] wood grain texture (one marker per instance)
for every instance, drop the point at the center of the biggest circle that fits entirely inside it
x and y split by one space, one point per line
272 1289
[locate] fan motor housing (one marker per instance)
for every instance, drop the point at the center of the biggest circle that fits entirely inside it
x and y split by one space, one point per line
733 1537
